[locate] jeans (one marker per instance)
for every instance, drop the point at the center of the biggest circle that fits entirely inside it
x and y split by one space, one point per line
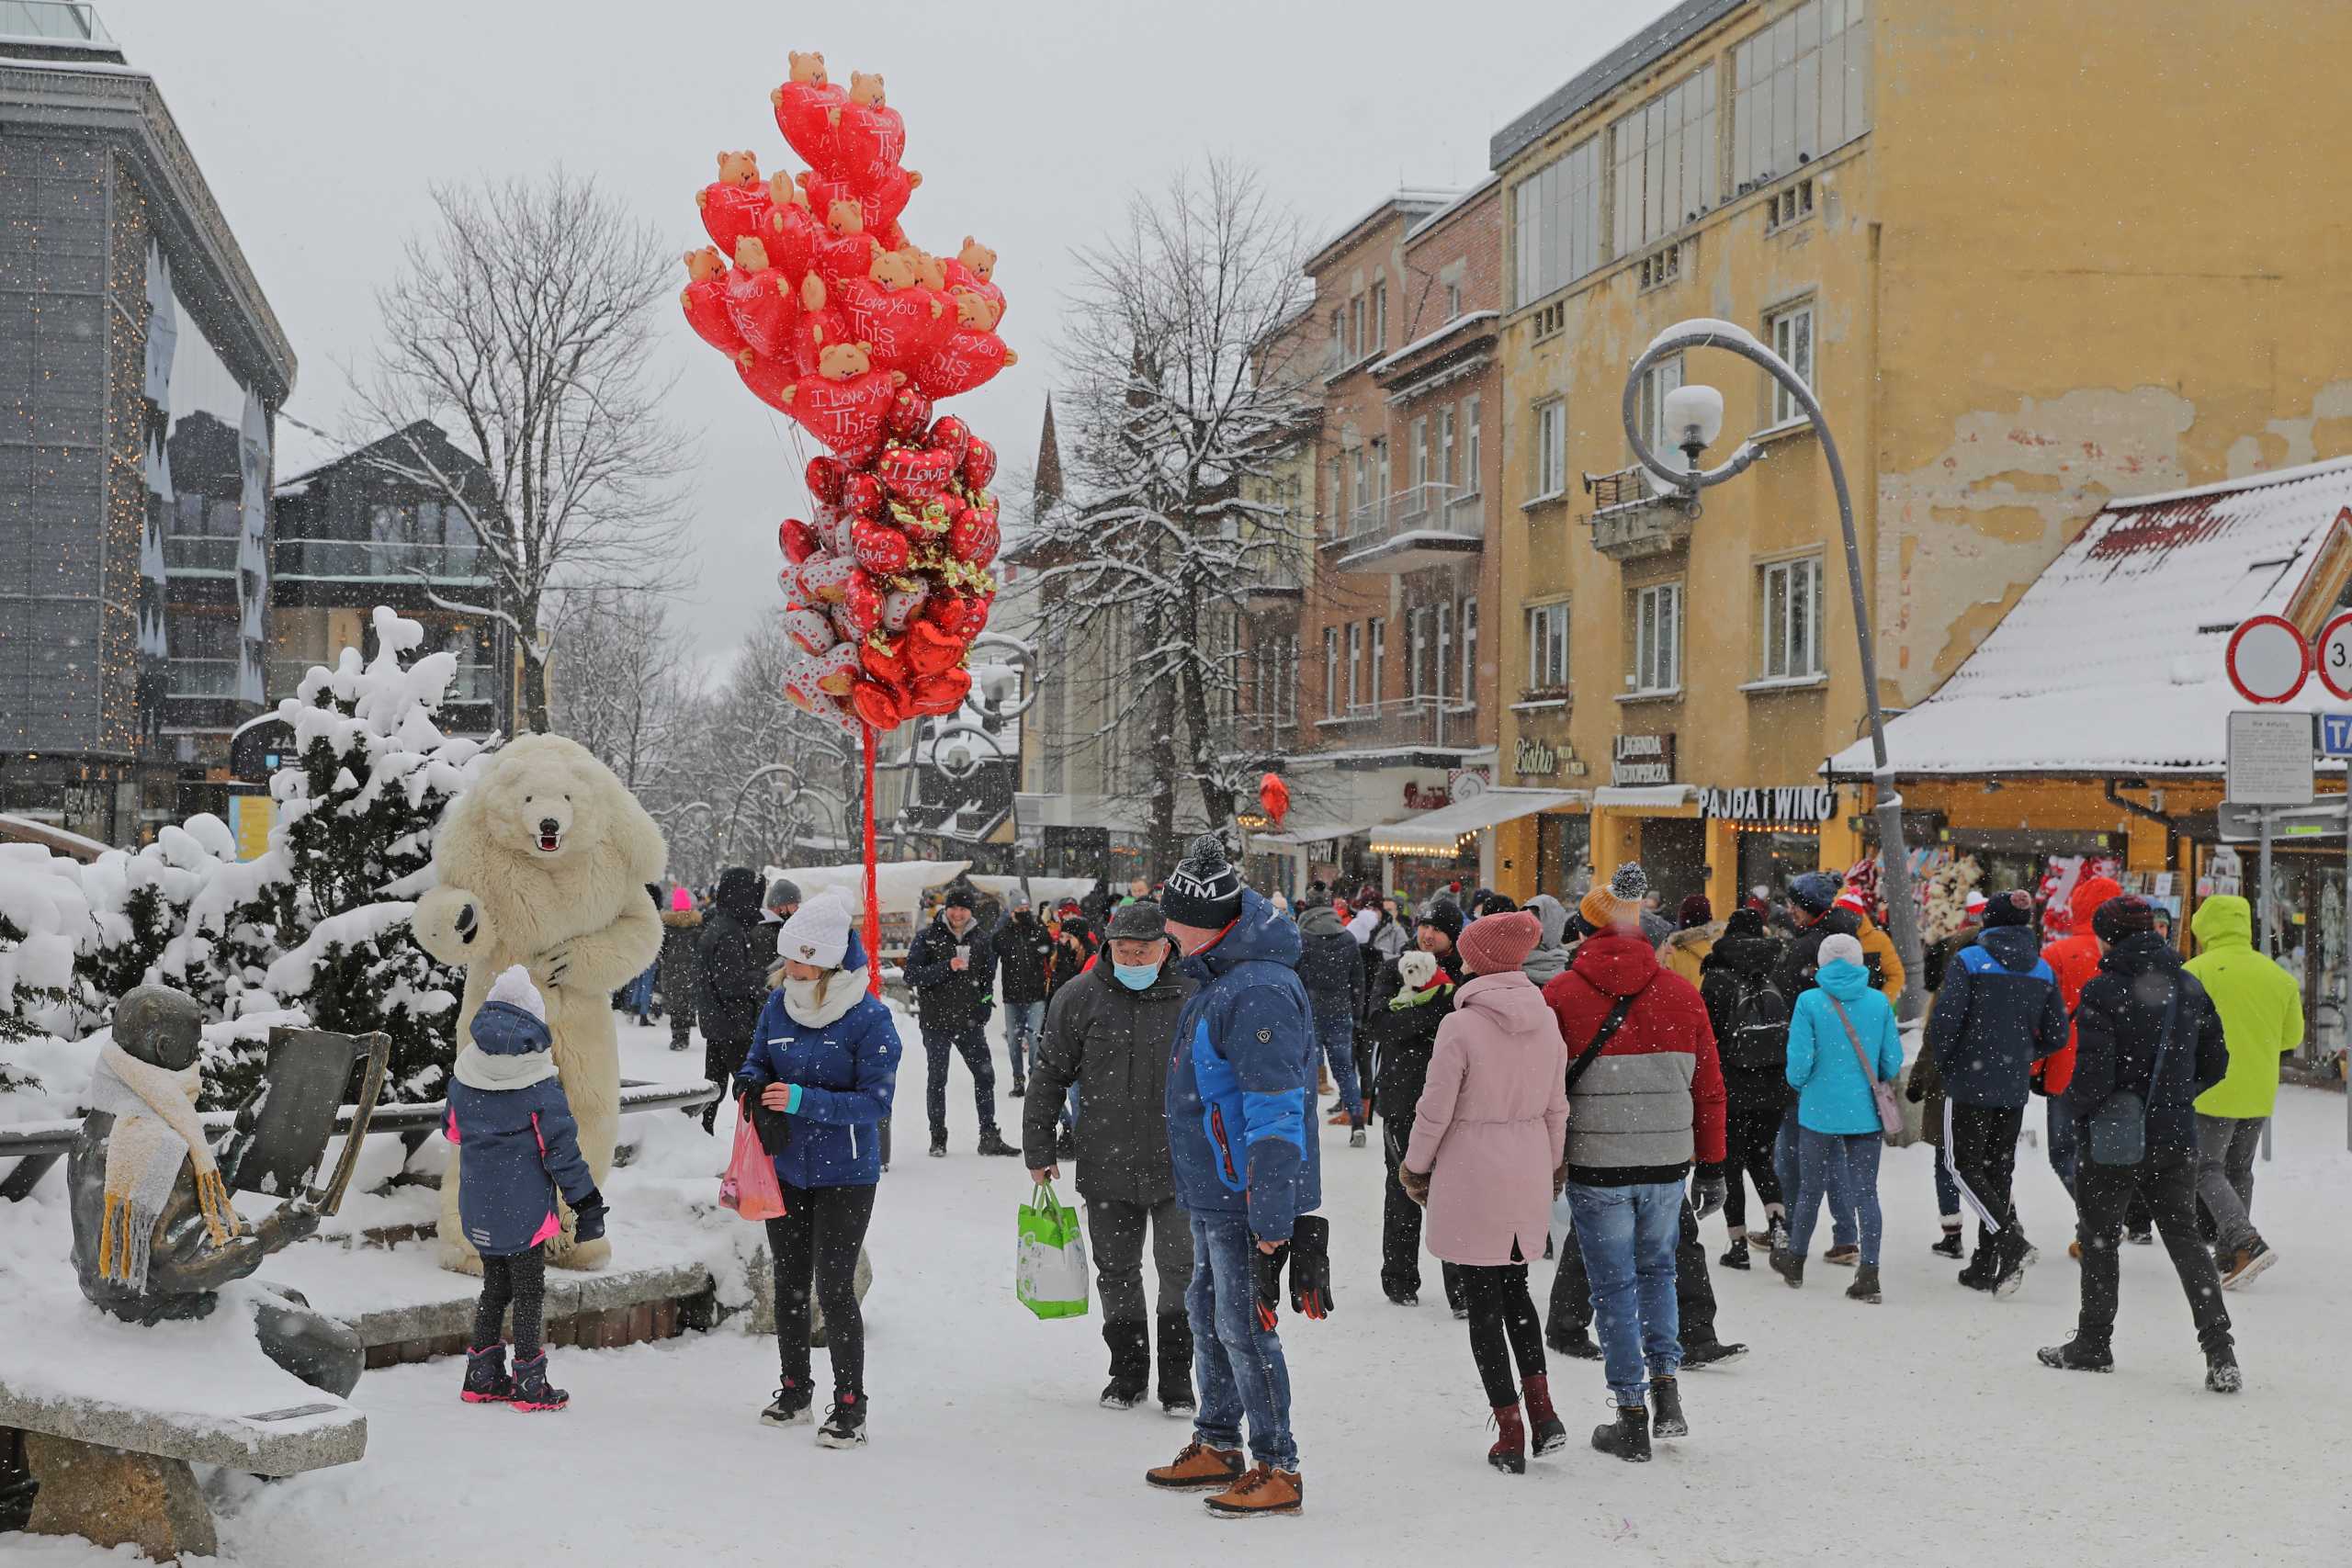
1749 1139
2225 1149
1784 1171
2064 1147
1570 1311
1628 1235
1843 1163
817 1239
1024 1026
2167 1181
1503 1327
1335 1038
970 1042
1238 1365
637 998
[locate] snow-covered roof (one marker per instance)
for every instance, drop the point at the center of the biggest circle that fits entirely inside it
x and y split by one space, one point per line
301 449
1422 225
2113 662
1468 319
1416 202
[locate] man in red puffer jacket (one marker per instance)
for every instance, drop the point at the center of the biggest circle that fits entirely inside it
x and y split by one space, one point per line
2075 960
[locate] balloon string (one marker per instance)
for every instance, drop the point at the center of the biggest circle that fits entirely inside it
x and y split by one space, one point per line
873 906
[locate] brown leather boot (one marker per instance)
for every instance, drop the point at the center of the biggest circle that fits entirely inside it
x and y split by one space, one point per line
1199 1468
1262 1492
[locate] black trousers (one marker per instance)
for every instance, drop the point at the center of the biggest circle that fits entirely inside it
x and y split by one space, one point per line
1748 1137
1400 1223
818 1239
1694 1293
2167 1181
1503 1327
1983 1142
519 1279
720 1058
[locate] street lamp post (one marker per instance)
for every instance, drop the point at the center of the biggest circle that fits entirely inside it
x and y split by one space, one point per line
1693 415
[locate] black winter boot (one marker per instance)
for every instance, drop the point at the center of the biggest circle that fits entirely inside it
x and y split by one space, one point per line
1175 1364
1628 1436
1130 1344
844 1425
1984 1264
1790 1266
992 1142
1576 1344
1737 1257
2082 1353
2010 1256
1665 1410
790 1405
487 1380
532 1391
1865 1286
2222 1374
1950 1246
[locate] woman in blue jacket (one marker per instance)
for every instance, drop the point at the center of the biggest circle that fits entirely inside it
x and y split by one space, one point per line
818 1081
1838 1124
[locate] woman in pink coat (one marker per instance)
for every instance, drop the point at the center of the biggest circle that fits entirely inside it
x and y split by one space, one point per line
1485 1161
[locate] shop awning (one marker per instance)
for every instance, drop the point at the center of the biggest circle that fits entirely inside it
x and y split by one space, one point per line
1323 834
1650 797
1439 833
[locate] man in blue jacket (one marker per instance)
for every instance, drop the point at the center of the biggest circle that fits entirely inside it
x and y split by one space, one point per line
1242 1148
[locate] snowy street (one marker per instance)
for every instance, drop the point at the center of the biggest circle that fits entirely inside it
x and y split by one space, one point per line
1918 1431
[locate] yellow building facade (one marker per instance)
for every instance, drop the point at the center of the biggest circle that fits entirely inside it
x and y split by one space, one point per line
2028 257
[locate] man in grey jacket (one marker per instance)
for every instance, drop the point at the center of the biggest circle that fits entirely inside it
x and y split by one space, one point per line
1109 1032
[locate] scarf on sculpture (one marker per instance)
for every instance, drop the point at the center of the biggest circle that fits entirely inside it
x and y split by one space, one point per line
155 1127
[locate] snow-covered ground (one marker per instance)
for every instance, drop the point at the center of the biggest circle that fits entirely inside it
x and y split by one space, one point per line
1920 1431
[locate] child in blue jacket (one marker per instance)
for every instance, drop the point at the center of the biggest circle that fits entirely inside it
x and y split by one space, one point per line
517 1147
817 1082
1837 1122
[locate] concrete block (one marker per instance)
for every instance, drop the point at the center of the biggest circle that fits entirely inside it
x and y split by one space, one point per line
115 1498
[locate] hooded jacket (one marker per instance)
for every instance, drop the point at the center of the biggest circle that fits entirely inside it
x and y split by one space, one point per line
681 927
2075 960
2116 1030
1995 1014
1489 1125
518 1146
1240 1105
2261 1008
1653 1100
1331 964
1755 1061
843 1058
1685 952
732 954
1113 1044
1022 946
1833 1093
946 996
1550 955
1382 943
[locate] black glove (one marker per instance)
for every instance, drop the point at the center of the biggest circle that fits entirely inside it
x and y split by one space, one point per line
1270 1284
589 1215
1310 1267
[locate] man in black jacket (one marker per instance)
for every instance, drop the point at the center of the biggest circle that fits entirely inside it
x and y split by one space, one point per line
1110 1030
2142 1005
1022 946
951 967
1752 1025
732 954
1331 966
1403 1021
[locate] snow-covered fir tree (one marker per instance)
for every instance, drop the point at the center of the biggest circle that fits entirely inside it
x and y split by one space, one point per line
43 913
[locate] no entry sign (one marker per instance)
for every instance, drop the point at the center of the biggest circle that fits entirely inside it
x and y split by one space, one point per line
2268 659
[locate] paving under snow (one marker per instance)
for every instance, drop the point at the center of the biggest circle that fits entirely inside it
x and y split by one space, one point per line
1920 1431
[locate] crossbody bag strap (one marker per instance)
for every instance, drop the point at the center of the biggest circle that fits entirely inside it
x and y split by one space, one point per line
1869 1075
1601 1037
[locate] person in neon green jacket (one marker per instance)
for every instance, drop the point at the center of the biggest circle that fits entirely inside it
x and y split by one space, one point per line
2262 1017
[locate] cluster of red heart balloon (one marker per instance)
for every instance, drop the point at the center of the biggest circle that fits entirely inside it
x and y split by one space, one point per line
832 316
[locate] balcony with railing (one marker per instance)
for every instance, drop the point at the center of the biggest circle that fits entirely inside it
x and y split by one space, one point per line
1448 721
1421 525
1278 577
201 678
1635 514
381 561
200 554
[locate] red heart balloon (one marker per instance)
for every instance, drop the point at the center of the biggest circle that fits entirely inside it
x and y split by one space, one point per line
950 436
825 475
862 605
962 277
868 139
885 661
966 360
812 632
929 651
879 201
790 232
903 325
836 257
730 211
878 706
704 301
845 415
796 539
973 537
975 616
979 465
861 495
804 113
942 694
944 610
881 548
908 414
771 380
760 306
913 473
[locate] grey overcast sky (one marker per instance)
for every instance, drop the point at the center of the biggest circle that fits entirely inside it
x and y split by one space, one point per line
320 123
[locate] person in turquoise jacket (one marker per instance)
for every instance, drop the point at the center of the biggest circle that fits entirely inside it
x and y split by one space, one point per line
2262 1018
1837 1125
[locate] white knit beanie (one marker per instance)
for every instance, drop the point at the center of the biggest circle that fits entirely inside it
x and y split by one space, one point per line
818 932
1840 948
514 987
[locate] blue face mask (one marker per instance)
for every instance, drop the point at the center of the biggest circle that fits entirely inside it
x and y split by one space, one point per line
1136 976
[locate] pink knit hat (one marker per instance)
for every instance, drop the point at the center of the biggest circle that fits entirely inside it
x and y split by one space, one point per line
1500 942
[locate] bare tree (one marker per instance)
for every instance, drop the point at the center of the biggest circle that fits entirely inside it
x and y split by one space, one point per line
624 677
522 324
1182 381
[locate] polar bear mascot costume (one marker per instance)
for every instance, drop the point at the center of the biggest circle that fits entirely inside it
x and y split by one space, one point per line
543 863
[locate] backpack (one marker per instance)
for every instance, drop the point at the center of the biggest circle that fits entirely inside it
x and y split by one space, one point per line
1759 1042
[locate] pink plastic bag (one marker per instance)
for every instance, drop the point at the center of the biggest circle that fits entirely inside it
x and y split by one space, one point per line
749 1186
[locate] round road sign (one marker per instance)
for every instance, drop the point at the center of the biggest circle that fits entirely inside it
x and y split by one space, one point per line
2268 659
2334 656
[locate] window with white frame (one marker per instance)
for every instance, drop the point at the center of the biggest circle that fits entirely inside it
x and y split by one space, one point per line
1551 447
1803 89
1379 659
1286 691
1356 329
1379 344
1416 651
1338 338
1789 331
1330 671
1790 609
1665 162
1659 379
1444 647
1658 639
1416 459
1355 666
1452 298
1445 472
1360 495
1380 466
1470 647
1555 223
1471 470
1547 646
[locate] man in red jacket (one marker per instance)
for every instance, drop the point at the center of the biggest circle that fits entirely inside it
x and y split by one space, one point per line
2075 959
1645 1098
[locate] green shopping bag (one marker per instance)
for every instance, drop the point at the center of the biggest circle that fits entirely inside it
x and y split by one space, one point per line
1050 1268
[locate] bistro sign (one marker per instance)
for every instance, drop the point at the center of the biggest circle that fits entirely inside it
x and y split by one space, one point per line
1802 802
1642 760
